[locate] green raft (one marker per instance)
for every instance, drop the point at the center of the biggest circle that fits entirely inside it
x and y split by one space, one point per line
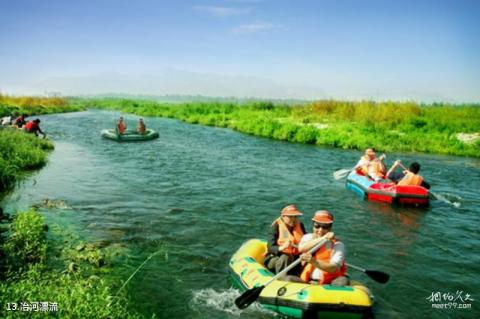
130 136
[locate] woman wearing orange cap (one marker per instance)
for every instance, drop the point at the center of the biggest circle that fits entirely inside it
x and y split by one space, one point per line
286 233
327 265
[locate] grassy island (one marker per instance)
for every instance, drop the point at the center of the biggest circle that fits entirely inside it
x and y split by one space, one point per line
387 126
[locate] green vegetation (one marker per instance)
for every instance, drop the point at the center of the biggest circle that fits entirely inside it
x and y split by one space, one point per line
387 126
20 152
30 277
32 105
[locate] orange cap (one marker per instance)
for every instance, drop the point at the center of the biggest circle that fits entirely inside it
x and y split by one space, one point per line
323 216
291 210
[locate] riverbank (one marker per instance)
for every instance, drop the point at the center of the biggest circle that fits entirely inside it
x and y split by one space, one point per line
40 277
387 126
21 153
34 105
40 274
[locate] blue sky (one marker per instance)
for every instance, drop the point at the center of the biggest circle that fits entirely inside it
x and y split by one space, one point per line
420 50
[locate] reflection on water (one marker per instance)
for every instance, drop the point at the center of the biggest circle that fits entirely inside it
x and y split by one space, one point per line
199 192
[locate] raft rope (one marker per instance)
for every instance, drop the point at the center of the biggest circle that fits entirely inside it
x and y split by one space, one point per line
133 274
282 290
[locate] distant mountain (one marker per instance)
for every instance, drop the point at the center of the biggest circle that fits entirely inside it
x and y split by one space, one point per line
173 82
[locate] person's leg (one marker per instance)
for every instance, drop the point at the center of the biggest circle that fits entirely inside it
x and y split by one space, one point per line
282 263
278 263
292 278
340 281
396 176
271 263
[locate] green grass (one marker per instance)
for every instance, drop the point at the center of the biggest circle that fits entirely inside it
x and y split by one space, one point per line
34 105
386 126
20 152
29 277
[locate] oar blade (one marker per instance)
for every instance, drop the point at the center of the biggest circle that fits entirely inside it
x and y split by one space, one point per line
341 173
378 276
248 297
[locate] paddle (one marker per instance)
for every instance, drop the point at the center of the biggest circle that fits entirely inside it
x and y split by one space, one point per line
378 276
435 195
341 173
443 199
249 296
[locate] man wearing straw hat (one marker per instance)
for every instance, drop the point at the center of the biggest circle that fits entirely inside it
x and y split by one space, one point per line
286 233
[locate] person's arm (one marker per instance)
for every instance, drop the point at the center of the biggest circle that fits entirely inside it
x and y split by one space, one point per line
360 163
308 242
335 262
272 245
394 166
41 132
380 160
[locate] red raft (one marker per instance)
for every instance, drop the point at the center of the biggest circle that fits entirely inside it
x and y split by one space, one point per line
387 192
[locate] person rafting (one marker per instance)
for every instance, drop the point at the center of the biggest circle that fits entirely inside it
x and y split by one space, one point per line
34 127
327 265
371 166
409 177
285 235
141 127
121 127
20 121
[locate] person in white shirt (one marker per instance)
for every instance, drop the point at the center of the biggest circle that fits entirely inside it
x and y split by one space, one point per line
327 265
371 166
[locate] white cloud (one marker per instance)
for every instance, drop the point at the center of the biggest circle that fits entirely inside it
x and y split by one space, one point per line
221 12
257 27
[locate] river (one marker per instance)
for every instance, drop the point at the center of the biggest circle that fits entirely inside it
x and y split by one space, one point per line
197 193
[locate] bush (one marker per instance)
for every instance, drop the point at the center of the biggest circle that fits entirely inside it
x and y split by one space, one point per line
306 134
30 280
27 243
20 152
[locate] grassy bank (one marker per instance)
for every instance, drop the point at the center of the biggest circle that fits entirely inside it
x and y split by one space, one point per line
27 276
34 105
20 152
387 126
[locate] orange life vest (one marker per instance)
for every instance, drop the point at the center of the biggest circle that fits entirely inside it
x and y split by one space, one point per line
30 126
372 167
323 254
121 127
284 234
411 179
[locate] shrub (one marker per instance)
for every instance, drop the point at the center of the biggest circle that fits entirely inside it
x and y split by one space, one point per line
306 134
27 243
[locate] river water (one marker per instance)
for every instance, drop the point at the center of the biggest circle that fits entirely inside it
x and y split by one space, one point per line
197 193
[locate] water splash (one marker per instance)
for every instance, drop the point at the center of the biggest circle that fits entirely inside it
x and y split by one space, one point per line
224 301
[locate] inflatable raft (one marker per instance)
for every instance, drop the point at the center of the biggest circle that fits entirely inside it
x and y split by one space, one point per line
386 192
296 300
130 136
